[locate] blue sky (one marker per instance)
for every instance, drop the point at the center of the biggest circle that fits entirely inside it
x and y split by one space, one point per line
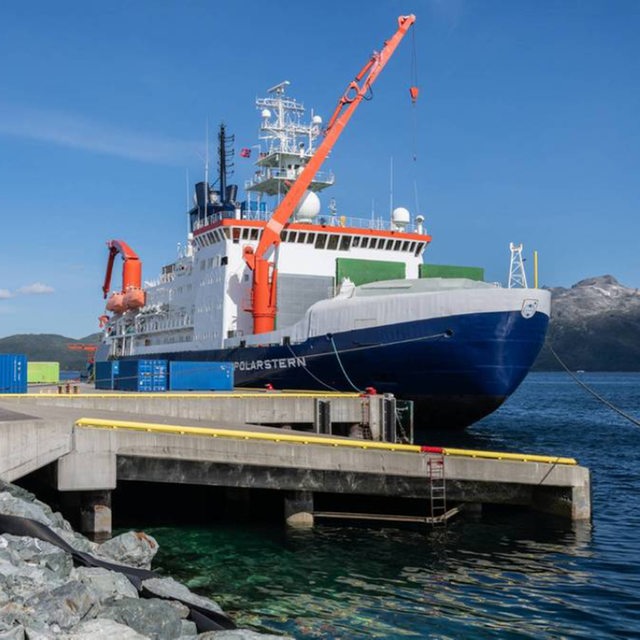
526 130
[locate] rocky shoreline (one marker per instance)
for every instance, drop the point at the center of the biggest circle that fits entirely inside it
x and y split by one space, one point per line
43 595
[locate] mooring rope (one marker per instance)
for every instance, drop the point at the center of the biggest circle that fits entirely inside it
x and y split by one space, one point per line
445 334
588 389
304 366
344 372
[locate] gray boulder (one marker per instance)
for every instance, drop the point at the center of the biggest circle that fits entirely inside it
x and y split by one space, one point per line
154 618
35 552
102 629
12 506
27 565
169 588
8 632
64 606
134 548
107 585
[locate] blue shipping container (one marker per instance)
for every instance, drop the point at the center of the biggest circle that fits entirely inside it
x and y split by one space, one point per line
13 373
200 376
141 375
106 373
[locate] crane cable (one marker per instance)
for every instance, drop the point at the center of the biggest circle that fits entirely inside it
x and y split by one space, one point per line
413 92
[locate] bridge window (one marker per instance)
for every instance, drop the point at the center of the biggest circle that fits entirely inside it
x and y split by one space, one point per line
333 242
302 237
321 240
345 243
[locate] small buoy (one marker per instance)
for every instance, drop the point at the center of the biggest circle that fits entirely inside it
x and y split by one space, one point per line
413 92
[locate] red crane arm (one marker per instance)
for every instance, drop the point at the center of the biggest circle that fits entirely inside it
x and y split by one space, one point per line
131 269
349 102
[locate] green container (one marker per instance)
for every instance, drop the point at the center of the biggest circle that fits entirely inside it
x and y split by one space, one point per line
451 271
43 372
364 271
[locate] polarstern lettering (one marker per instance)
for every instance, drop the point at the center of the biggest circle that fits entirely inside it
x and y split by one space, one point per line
272 363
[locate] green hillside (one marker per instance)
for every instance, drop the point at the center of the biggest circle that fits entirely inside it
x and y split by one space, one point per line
45 347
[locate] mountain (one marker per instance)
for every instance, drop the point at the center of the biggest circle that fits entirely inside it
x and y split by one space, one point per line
595 326
46 347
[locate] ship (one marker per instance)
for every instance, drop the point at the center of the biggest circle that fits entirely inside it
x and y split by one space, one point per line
301 299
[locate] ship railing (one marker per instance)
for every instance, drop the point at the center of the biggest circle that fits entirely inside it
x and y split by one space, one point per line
331 220
326 177
338 221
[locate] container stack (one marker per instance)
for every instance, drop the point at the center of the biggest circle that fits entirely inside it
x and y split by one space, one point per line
43 372
105 374
141 375
13 373
160 375
200 376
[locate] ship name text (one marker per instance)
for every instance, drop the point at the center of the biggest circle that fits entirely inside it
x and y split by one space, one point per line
271 363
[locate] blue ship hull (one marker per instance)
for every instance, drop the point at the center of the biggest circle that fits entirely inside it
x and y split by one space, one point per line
456 369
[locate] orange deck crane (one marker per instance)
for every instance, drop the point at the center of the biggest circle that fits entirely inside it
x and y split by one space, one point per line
265 272
84 346
132 296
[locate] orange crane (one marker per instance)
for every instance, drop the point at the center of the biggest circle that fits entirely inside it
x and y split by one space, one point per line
132 296
265 272
84 346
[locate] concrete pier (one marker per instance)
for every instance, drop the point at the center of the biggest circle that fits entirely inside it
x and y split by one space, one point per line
96 442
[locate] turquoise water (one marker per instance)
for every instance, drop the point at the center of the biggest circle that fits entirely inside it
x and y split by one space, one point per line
513 575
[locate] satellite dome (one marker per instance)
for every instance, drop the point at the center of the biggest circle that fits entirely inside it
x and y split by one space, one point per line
316 120
265 113
308 208
400 217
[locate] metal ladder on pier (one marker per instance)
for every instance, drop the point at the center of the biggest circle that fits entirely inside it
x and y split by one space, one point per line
437 490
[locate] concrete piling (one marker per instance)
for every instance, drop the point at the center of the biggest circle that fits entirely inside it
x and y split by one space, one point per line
298 509
95 513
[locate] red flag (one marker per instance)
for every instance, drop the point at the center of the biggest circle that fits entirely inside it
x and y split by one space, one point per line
245 152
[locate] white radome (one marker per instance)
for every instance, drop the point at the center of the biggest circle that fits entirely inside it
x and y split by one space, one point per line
308 208
400 217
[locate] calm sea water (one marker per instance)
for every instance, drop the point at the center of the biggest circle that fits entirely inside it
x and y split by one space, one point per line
498 576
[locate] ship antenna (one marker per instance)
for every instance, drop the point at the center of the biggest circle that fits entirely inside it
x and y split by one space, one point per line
206 169
188 201
391 186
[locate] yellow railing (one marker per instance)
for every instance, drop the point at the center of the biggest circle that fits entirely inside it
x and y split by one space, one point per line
283 436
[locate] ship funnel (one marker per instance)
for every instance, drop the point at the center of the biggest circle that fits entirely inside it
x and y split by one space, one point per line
231 193
202 190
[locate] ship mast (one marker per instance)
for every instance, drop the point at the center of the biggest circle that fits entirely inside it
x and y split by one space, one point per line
265 274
